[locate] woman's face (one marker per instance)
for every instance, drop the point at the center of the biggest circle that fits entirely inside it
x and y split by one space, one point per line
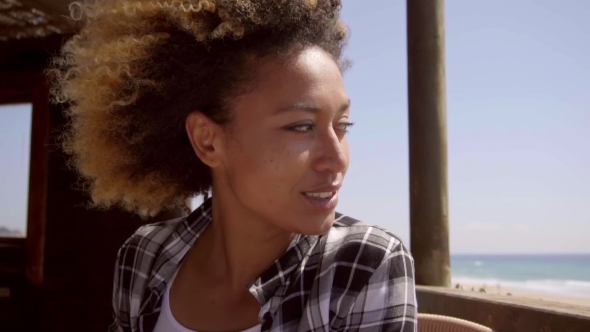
287 153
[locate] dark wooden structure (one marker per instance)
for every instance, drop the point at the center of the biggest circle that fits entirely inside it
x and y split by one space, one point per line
61 273
59 277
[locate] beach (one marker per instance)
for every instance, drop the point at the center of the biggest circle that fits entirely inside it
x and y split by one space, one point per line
515 293
561 278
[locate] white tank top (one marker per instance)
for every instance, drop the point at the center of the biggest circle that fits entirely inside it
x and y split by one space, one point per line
167 322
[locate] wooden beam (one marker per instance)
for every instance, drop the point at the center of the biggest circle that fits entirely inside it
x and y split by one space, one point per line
55 15
37 207
29 31
429 229
56 10
31 54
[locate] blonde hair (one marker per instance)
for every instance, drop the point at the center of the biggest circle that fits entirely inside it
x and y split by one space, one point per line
136 69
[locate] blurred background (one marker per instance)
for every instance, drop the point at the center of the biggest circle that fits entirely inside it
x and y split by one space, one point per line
518 116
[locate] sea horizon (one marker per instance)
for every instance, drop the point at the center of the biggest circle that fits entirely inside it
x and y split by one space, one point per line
546 273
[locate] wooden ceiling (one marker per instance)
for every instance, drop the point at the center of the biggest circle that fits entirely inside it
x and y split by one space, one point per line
23 19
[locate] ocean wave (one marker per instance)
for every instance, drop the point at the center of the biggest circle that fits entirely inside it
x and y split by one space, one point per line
574 288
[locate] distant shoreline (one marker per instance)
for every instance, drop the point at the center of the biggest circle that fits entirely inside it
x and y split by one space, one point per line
520 254
500 290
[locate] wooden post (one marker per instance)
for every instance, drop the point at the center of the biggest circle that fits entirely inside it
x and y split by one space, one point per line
429 228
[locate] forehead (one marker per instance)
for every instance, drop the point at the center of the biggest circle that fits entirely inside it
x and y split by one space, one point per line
307 76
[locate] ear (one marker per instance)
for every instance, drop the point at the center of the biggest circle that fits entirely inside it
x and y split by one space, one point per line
206 138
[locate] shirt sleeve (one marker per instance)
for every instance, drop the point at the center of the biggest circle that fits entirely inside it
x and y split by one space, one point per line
120 292
388 302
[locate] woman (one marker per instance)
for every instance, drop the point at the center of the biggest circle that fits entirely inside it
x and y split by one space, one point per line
168 100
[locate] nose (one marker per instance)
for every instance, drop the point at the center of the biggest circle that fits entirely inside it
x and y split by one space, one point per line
332 153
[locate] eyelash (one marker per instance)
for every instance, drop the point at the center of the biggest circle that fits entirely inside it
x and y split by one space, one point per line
344 125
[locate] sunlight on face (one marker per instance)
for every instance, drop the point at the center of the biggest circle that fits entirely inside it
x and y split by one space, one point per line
287 152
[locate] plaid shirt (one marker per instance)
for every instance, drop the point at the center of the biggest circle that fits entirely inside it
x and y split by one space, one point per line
354 278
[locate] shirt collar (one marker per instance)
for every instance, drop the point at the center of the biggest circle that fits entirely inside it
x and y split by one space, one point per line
277 275
184 235
171 252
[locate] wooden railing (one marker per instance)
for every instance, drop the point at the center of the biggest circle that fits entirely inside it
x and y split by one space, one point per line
504 313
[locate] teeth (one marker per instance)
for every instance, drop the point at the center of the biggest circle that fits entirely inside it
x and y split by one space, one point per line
320 195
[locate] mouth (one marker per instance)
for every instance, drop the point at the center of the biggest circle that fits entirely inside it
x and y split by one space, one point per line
321 195
325 201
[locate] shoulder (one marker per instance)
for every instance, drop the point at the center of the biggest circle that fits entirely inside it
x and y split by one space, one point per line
136 259
133 269
353 240
361 254
149 239
372 276
144 247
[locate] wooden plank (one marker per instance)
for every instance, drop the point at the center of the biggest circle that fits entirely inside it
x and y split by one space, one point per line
37 208
57 10
8 97
30 31
36 19
26 55
503 313
12 242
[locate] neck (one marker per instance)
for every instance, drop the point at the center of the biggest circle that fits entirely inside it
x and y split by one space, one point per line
238 245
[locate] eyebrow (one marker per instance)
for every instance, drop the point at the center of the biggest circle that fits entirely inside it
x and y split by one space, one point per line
312 108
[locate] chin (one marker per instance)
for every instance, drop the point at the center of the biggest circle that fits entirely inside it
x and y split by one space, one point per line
316 225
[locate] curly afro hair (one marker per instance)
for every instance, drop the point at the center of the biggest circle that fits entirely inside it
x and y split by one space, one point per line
137 69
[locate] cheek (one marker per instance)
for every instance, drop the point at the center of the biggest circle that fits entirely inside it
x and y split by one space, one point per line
266 173
346 149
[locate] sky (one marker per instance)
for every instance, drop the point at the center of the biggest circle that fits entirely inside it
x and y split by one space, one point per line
15 142
518 75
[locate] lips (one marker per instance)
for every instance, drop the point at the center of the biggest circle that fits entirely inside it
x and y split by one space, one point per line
323 189
323 198
320 195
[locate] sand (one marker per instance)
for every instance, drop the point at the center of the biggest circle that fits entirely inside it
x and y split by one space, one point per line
499 290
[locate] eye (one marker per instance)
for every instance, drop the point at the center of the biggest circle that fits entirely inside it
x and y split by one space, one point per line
303 128
343 126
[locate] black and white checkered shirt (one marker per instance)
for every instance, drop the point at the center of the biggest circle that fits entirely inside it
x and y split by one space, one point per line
354 278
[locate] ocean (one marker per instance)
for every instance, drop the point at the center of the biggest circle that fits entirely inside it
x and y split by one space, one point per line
566 275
